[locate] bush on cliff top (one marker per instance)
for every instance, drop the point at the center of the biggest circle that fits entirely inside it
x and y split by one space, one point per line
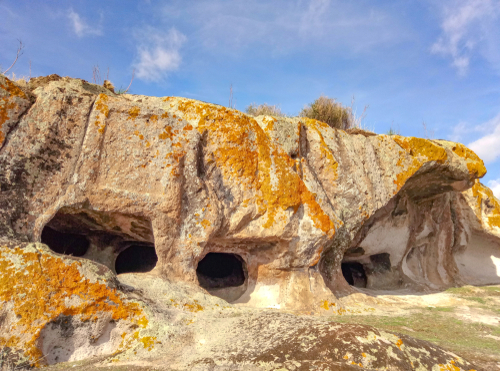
329 111
324 109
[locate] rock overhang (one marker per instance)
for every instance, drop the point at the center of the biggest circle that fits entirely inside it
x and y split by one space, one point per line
208 178
291 197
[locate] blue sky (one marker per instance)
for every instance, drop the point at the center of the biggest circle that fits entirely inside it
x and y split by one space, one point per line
412 62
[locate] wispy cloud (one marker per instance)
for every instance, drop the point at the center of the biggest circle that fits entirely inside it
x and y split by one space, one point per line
488 146
157 53
81 27
468 26
284 26
495 187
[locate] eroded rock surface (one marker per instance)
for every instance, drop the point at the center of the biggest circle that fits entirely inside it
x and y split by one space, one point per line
287 213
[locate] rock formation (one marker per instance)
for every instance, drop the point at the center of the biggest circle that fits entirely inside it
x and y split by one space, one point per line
264 212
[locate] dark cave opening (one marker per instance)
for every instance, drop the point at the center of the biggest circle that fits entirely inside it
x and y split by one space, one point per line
354 273
65 243
118 241
221 270
137 258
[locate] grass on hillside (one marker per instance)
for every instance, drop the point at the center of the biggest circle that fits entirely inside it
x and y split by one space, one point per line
438 326
441 326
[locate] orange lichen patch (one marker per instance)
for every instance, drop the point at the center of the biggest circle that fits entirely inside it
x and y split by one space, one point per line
244 152
346 356
399 343
205 223
363 355
5 107
147 341
326 305
7 103
326 155
12 89
194 307
153 118
133 113
38 285
101 105
422 151
480 192
269 121
167 134
188 127
449 367
474 164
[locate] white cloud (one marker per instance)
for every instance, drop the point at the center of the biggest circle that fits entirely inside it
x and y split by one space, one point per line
467 26
488 146
80 27
495 187
158 53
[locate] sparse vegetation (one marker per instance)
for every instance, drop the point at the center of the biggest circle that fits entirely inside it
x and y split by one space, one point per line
329 111
393 131
264 109
18 54
8 361
438 326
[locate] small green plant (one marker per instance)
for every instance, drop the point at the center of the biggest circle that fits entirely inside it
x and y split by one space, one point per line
476 299
329 111
264 109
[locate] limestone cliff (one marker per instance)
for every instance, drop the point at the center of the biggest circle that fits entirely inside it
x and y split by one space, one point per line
296 212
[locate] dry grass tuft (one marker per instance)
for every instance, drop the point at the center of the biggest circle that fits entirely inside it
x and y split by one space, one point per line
329 111
19 80
264 109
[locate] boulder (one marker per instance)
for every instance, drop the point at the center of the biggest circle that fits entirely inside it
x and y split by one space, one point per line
263 212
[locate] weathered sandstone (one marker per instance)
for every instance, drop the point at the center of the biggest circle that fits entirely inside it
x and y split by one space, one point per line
298 213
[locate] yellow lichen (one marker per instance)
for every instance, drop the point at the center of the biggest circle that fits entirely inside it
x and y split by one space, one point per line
421 151
205 223
153 118
101 105
193 307
244 152
474 164
167 134
7 104
133 113
37 285
399 343
5 107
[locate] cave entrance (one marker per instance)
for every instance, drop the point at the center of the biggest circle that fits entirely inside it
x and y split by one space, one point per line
122 242
65 243
137 258
223 275
354 273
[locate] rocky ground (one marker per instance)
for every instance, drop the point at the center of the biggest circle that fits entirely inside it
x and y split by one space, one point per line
206 333
464 320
